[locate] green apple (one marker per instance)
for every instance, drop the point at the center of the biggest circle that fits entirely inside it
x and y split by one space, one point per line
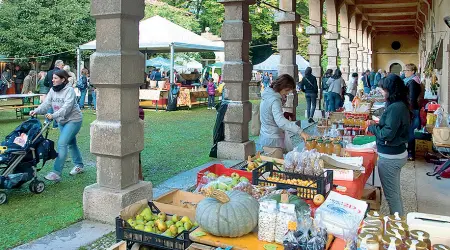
179 224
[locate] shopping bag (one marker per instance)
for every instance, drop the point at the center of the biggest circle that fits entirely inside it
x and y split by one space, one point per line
441 137
433 106
255 125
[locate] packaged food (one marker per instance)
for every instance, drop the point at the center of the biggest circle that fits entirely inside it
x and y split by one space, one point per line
372 222
373 230
309 144
415 245
285 215
267 220
398 225
398 233
320 146
440 247
391 243
422 236
368 241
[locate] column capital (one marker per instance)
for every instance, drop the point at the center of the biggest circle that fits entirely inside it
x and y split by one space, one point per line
286 17
117 9
353 45
312 30
345 40
331 36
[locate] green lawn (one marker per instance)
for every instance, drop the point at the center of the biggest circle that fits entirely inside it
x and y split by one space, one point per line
174 142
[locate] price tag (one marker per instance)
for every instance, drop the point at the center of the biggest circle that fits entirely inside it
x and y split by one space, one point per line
270 247
199 234
292 225
284 198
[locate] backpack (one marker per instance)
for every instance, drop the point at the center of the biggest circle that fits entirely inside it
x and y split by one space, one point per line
80 84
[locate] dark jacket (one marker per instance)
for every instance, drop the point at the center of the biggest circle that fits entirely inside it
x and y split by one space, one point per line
20 76
324 83
393 129
372 78
48 82
414 93
366 81
309 84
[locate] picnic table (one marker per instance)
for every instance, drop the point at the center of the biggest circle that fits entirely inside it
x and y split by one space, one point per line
28 101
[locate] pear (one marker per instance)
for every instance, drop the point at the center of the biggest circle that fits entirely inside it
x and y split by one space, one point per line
175 218
235 175
180 229
162 216
139 217
140 222
168 233
173 229
150 223
146 212
185 219
132 223
148 217
169 223
162 227
140 227
147 229
157 231
188 225
179 224
195 224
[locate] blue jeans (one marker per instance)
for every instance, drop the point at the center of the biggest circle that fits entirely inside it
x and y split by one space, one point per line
325 101
67 140
55 124
334 101
415 123
94 99
310 104
366 90
389 172
211 101
82 98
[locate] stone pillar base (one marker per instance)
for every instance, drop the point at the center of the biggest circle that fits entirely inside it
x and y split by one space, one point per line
235 150
104 204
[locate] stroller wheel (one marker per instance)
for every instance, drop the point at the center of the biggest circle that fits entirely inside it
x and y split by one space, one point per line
37 187
3 198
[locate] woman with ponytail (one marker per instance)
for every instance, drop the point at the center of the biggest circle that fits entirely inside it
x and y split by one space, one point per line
66 112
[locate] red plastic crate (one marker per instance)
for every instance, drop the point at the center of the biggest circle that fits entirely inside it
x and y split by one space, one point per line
219 170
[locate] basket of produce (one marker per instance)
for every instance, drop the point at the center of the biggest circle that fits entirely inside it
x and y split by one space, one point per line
145 224
216 170
234 181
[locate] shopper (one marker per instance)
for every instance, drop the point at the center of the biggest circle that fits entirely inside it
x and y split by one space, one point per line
325 86
72 76
68 115
273 122
82 86
335 84
372 79
29 83
352 86
59 65
19 76
378 77
412 82
308 85
211 88
265 80
41 88
392 134
366 81
5 81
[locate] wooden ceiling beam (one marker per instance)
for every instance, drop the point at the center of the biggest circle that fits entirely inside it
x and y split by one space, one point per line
385 4
399 22
392 18
398 11
389 14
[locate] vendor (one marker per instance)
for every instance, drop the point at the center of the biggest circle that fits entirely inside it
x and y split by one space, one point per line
412 82
391 137
273 122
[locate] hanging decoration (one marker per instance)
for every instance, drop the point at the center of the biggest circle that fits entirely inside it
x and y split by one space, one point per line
429 69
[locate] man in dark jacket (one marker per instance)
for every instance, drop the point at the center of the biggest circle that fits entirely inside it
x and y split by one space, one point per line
48 82
309 86
372 79
366 82
19 76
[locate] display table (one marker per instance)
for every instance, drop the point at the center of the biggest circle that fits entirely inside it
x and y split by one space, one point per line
29 101
187 97
355 189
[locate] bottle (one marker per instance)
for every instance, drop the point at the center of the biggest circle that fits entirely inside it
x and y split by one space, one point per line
422 236
337 148
320 146
309 145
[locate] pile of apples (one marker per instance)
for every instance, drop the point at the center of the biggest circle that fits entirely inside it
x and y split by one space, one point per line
160 223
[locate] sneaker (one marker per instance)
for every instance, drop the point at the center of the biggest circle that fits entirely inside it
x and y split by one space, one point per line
52 176
77 170
310 120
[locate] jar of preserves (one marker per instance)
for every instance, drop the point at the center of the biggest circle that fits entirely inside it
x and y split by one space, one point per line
309 145
399 225
422 236
375 215
415 244
440 247
368 241
314 143
372 222
337 148
328 147
391 243
373 230
398 233
320 146
396 217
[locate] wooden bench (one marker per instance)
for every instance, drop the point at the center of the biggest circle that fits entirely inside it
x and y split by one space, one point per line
18 109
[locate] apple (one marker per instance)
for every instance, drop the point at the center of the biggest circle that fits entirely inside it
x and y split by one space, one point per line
318 199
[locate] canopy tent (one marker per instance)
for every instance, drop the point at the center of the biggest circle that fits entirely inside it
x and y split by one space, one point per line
271 64
158 34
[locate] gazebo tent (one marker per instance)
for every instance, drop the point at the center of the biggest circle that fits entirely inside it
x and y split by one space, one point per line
158 34
271 64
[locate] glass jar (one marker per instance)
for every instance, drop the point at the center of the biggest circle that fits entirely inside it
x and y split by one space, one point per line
375 215
320 146
372 222
391 243
328 147
368 241
309 145
348 131
395 232
373 230
399 225
337 148
415 245
396 217
314 144
440 247
422 236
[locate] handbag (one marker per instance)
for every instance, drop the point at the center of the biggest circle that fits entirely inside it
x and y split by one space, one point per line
441 137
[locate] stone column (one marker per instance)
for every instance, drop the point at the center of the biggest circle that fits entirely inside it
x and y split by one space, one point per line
333 35
344 50
287 43
359 32
117 136
315 44
353 58
369 54
364 54
237 34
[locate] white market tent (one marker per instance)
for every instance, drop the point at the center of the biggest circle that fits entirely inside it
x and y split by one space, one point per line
271 64
157 34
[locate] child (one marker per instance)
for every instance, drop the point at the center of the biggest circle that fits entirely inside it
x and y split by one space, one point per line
211 88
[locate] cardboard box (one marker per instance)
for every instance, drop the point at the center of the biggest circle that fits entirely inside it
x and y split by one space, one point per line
372 195
423 147
344 174
179 202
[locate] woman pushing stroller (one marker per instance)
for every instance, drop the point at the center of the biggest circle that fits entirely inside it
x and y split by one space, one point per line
62 99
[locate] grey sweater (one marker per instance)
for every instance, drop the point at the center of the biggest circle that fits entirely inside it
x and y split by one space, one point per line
64 104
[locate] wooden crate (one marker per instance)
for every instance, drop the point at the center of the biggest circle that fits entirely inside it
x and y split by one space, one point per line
372 195
119 246
197 246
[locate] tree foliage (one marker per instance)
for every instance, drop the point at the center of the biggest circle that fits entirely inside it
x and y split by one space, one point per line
41 27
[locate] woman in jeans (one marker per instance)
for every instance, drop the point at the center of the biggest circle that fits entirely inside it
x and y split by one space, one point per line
335 84
412 82
309 86
325 79
62 99
392 133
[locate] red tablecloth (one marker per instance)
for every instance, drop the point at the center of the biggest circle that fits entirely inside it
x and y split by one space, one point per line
355 188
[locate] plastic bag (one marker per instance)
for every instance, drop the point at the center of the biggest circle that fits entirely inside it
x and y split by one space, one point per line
245 187
285 215
267 220
439 117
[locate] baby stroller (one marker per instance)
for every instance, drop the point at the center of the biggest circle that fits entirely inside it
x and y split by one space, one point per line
20 153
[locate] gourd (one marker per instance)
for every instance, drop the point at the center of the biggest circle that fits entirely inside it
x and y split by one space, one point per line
228 214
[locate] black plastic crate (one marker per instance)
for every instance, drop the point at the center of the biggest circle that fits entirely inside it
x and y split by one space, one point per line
321 184
125 232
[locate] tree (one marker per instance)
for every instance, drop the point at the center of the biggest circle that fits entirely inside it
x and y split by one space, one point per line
174 14
41 27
